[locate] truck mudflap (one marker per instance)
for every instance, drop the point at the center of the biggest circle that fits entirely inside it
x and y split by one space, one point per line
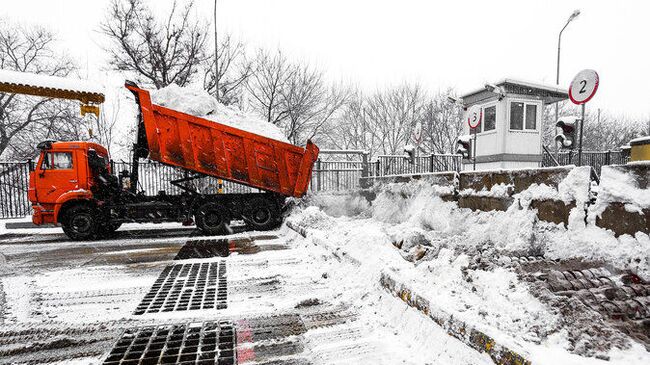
207 147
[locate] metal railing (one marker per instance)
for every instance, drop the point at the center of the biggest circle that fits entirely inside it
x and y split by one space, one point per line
155 177
333 171
595 159
14 182
398 164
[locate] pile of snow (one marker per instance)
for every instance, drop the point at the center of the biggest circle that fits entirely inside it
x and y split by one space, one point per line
337 205
452 258
618 185
199 103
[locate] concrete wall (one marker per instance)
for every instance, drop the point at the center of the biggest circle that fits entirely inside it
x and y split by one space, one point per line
622 213
623 201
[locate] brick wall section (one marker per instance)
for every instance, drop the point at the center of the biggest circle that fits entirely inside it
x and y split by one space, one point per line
615 217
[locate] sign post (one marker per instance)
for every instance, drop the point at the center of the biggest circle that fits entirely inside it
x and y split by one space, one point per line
582 89
474 116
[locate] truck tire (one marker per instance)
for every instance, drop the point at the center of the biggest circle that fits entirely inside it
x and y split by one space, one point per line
213 219
80 222
262 214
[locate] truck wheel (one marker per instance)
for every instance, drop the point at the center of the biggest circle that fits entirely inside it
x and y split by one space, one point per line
80 222
262 214
213 218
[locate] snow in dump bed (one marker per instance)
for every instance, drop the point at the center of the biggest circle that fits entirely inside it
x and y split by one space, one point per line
199 103
50 82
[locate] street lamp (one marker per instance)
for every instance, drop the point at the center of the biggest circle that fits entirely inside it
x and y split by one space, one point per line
559 39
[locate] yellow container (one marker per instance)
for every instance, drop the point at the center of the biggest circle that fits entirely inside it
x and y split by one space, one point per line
640 149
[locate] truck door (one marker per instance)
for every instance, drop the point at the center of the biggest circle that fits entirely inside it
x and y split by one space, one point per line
55 174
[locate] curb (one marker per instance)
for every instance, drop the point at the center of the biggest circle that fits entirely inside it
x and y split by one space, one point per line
458 329
468 335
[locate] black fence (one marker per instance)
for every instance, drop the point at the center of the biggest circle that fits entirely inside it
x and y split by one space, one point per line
333 171
14 182
595 159
155 177
397 165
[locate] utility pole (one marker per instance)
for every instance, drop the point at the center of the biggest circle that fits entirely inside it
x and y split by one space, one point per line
559 39
216 54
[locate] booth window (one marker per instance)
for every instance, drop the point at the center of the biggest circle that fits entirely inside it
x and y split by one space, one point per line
489 118
523 116
531 116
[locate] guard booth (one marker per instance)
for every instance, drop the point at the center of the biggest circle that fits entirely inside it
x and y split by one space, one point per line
510 134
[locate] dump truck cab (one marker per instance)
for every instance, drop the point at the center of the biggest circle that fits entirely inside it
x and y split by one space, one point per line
67 173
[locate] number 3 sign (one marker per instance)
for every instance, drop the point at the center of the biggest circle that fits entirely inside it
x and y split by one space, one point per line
474 116
583 87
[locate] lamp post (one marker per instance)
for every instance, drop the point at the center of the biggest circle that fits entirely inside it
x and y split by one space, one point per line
216 55
559 39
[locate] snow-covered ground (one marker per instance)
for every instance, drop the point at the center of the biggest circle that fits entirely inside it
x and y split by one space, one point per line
67 302
461 262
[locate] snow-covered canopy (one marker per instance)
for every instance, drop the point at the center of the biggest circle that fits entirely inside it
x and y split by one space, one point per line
45 85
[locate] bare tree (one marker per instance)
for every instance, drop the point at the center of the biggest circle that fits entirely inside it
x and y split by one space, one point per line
156 52
441 123
265 86
393 113
309 103
352 129
26 119
608 132
234 69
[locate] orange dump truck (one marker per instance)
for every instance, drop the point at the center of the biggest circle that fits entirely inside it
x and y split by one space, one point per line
73 185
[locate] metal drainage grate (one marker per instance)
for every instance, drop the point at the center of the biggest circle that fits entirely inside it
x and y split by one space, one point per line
201 249
187 287
193 343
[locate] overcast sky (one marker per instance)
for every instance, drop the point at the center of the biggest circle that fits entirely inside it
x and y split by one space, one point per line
375 43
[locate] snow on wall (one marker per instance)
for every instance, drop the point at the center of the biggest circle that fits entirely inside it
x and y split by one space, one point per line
199 103
624 184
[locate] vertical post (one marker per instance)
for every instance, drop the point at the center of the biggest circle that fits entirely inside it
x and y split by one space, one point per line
364 166
582 125
474 156
318 177
431 163
216 55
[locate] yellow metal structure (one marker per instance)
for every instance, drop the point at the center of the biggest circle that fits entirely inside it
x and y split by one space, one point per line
640 150
88 99
87 108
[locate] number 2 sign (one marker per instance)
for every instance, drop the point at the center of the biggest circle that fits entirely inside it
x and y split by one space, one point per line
583 87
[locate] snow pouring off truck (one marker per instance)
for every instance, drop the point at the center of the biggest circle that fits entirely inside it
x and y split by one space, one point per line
72 183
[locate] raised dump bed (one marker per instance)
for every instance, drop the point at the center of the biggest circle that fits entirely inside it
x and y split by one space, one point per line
211 148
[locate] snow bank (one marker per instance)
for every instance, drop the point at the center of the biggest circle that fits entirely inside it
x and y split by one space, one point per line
199 103
337 205
453 257
620 185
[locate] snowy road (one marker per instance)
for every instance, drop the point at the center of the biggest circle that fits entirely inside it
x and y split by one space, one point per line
289 301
